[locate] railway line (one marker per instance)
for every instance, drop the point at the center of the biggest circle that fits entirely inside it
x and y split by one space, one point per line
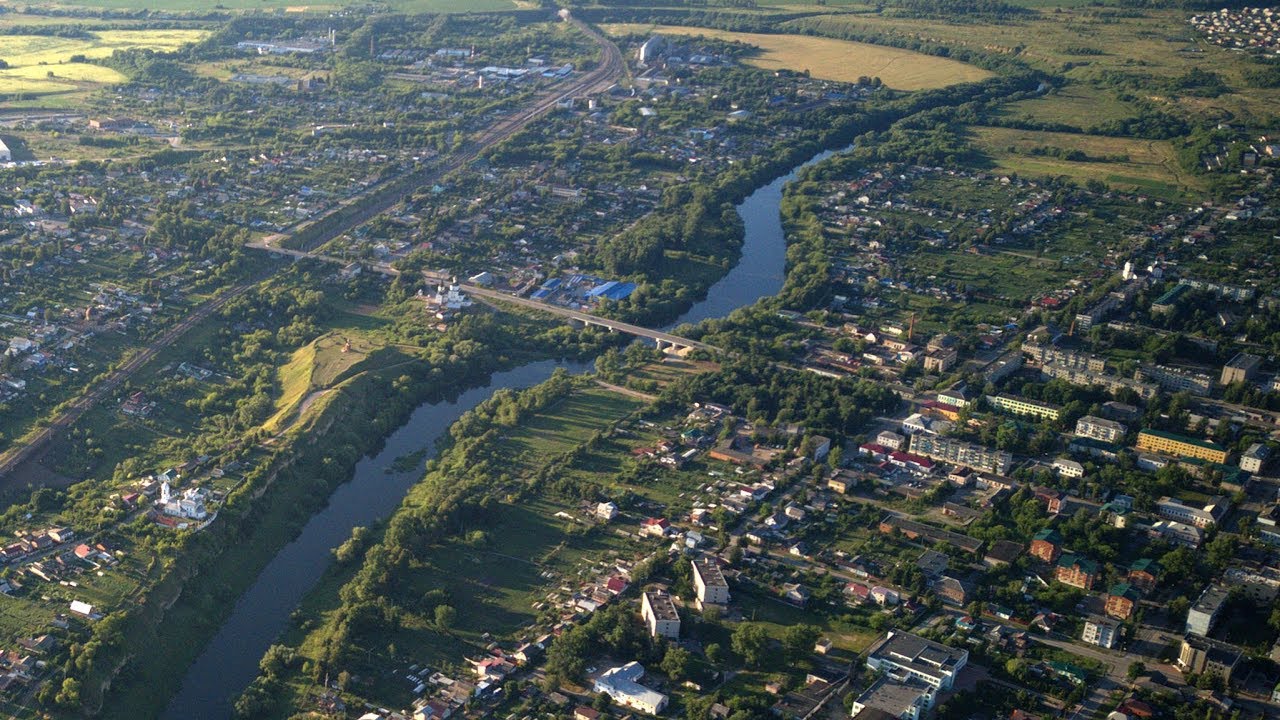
377 201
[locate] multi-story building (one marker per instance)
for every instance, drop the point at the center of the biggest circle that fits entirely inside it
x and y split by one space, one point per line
1100 429
956 398
1110 383
1203 656
1076 571
623 685
908 700
1003 367
1201 517
1177 533
902 655
659 613
1227 292
1180 445
1025 407
1143 574
959 452
1122 599
709 584
1099 311
1101 631
1176 379
1068 468
1204 613
940 360
1046 545
1261 584
1069 359
1253 459
1241 368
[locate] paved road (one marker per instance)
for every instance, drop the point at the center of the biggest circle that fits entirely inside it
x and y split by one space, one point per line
19 454
611 68
589 319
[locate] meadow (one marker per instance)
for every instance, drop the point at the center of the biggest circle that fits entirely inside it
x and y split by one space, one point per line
295 6
39 64
828 59
1149 166
1087 44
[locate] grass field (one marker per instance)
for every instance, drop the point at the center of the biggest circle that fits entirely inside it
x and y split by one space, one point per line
286 5
1138 43
563 426
1077 104
1151 166
830 59
38 64
322 364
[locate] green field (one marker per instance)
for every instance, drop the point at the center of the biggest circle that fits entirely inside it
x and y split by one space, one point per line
1150 166
38 64
1132 43
1077 104
830 59
322 364
298 6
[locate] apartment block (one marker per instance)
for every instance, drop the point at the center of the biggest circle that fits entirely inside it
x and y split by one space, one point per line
1024 407
1181 446
659 613
959 452
1100 429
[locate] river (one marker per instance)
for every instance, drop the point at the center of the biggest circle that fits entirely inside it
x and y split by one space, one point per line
230 661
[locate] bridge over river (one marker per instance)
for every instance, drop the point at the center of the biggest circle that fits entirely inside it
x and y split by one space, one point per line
664 340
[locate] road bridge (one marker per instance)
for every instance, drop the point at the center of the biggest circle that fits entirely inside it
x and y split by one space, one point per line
664 340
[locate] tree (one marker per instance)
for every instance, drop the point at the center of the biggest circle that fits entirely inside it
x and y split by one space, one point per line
676 662
69 694
798 640
751 642
714 653
445 616
1136 669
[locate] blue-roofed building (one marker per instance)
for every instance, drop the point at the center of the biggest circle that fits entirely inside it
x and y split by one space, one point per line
540 294
612 290
552 284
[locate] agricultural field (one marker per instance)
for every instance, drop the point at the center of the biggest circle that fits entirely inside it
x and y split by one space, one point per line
1082 42
40 64
1147 166
830 59
292 6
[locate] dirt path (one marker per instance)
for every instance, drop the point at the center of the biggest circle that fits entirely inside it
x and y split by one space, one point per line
626 391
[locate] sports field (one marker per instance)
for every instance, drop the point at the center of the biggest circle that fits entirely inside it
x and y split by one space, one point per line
38 64
830 59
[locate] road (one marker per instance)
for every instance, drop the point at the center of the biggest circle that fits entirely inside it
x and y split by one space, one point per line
386 195
32 446
586 318
611 68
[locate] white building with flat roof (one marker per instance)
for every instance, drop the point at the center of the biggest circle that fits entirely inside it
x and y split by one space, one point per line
1101 631
904 700
659 613
623 685
902 656
709 584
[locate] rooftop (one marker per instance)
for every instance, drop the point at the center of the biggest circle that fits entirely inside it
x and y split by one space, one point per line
710 573
1183 439
918 654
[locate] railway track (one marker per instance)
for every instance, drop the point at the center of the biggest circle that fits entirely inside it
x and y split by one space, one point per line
609 71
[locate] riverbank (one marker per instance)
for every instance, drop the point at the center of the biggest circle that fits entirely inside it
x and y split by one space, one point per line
176 619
